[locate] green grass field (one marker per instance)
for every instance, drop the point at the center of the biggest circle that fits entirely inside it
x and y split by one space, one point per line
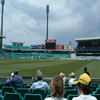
48 67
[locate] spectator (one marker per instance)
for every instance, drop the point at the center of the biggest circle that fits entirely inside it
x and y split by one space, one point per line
63 76
40 84
83 86
56 89
85 71
15 80
72 75
11 76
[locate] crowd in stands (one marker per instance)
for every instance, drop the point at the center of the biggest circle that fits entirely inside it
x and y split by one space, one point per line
56 90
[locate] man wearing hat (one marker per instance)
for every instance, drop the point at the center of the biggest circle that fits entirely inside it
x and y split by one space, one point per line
40 84
15 80
63 76
72 75
83 86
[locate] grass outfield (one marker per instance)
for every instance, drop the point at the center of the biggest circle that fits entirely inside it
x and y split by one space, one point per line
48 67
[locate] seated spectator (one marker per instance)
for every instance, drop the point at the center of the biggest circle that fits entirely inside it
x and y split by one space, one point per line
11 76
56 89
83 86
40 84
63 76
85 71
15 80
72 75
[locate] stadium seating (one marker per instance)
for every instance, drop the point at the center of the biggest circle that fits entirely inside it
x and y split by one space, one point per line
56 55
12 96
34 53
97 91
22 91
1 85
17 86
69 91
27 86
70 96
7 89
1 97
49 55
39 91
95 84
2 56
97 96
33 97
66 84
48 95
93 88
1 51
73 85
42 54
68 87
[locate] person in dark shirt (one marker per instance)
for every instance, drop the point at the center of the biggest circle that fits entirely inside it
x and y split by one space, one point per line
15 80
85 71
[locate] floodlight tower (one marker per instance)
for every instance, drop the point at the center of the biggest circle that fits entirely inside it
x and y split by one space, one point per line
1 35
47 11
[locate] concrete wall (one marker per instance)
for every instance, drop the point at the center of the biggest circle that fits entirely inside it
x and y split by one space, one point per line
30 79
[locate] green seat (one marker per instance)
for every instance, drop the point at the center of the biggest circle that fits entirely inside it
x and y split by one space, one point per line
70 96
66 84
70 91
7 89
48 95
48 92
97 96
22 91
95 84
27 86
93 88
39 91
1 97
68 87
1 85
73 85
17 86
91 91
33 97
97 91
12 96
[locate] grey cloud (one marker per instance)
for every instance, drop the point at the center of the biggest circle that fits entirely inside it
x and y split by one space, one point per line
68 19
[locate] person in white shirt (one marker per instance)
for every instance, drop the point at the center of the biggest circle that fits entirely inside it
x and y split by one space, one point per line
40 84
56 89
63 76
83 86
72 75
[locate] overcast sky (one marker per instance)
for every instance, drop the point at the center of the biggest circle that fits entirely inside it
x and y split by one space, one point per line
25 20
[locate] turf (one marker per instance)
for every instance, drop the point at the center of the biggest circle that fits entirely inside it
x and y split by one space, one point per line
48 67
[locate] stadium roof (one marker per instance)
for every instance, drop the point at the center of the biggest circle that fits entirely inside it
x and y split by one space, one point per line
87 39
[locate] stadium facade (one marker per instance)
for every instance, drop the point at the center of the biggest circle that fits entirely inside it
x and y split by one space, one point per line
88 46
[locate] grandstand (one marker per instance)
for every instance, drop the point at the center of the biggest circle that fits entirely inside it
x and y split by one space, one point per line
17 51
88 48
